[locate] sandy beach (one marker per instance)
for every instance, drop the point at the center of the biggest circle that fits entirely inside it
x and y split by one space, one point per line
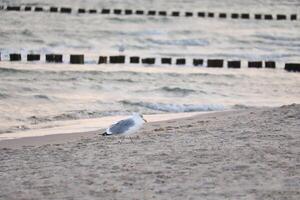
246 154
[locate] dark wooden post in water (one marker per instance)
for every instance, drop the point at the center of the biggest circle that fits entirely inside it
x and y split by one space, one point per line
77 59
245 16
116 59
33 57
222 15
292 67
105 11
13 8
257 16
235 64
128 12
197 62
139 12
149 61
180 61
135 59
38 9
15 57
215 63
54 58
234 15
281 17
268 17
151 12
211 15
53 9
188 14
65 10
27 8
102 60
166 61
270 64
162 13
201 14
255 64
92 11
117 11
175 14
81 10
293 17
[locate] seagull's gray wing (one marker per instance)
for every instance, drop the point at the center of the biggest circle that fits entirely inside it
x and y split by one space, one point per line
122 126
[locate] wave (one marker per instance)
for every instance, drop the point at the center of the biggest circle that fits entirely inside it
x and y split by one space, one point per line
4 96
176 90
175 107
27 33
74 115
289 39
221 83
41 96
182 42
126 80
13 129
241 106
10 70
214 75
71 115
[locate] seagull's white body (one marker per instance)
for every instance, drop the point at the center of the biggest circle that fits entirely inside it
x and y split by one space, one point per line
126 126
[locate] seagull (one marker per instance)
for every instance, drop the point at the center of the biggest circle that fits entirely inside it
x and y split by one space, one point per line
126 126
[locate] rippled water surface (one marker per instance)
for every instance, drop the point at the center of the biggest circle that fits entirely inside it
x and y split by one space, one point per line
37 93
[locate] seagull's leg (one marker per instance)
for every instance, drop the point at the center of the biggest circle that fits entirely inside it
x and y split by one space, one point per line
131 140
122 139
105 140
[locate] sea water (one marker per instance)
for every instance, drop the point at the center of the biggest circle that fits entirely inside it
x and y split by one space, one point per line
35 96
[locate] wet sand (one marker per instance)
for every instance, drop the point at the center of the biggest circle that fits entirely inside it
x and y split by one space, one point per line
245 154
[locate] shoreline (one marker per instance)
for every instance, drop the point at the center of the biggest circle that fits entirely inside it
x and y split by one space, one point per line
241 154
67 132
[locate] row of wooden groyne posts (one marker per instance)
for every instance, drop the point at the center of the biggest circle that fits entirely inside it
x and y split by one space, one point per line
104 11
121 59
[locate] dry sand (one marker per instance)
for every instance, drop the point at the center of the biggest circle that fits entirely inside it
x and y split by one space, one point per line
246 154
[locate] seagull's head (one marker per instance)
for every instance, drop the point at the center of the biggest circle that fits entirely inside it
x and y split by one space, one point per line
140 117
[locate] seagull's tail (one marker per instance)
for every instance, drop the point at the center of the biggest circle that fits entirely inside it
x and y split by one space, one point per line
104 134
